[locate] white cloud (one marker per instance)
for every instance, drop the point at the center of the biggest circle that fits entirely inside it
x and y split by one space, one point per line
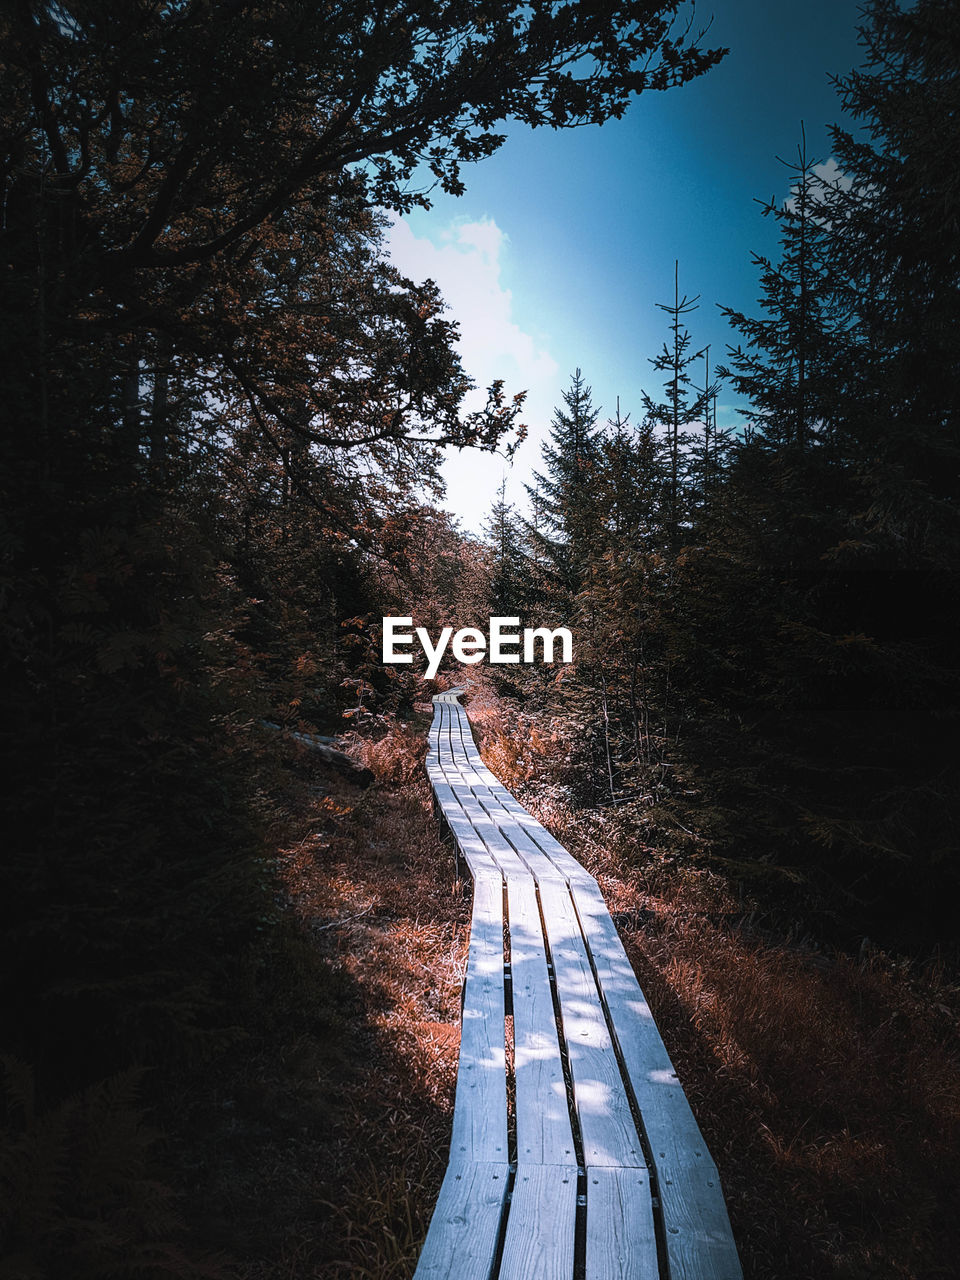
826 175
484 236
831 175
466 259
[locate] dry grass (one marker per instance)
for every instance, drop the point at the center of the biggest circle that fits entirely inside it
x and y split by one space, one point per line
827 1085
318 1150
390 919
830 1085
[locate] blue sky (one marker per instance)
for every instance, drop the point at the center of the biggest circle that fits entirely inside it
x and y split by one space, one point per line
564 241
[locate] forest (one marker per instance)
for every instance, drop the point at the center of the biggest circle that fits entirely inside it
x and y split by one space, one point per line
230 968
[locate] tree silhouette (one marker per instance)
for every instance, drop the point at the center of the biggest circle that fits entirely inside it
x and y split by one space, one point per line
684 404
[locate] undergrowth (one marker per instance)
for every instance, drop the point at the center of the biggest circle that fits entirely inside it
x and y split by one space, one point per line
318 1148
827 1081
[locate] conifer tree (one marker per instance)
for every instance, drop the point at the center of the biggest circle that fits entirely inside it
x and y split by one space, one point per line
683 404
899 261
714 445
510 585
627 571
565 491
833 578
784 368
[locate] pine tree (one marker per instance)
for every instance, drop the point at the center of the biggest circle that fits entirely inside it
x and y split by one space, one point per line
793 455
680 408
897 251
833 571
715 444
627 573
784 369
510 583
564 493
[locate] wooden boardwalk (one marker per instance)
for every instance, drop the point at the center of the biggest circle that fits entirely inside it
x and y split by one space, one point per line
574 1149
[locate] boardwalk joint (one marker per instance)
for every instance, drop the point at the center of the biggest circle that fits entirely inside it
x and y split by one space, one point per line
575 1155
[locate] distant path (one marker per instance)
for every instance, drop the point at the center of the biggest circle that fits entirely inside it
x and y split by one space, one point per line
574 1148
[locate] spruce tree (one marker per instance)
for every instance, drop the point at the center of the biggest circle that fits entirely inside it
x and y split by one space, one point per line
627 576
783 370
840 536
715 443
510 582
683 404
565 494
899 255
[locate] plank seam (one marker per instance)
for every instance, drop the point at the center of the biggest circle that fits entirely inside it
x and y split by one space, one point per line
495 835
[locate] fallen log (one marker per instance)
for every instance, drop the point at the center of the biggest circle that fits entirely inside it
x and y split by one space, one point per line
321 750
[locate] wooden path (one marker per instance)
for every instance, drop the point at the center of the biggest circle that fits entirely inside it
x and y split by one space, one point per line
574 1152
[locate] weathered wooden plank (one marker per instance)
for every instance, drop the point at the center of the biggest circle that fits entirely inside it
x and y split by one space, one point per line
522 830
667 1118
621 1240
544 1135
466 748
480 1107
468 840
502 850
492 810
699 1240
465 1229
541 1224
471 846
603 1109
573 871
482 774
700 1244
539 865
446 744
